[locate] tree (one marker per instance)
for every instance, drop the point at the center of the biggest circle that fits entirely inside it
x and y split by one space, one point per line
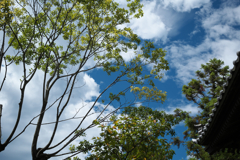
204 92
138 136
90 28
6 16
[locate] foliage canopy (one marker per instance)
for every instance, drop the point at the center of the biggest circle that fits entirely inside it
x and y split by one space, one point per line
92 34
138 137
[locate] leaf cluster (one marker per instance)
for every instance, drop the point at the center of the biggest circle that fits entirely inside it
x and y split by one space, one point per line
135 136
6 13
91 29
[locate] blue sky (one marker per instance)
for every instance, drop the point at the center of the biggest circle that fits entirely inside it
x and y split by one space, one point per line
191 31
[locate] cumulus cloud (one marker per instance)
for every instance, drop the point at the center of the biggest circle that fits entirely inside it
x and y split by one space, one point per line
184 5
157 23
81 100
227 16
138 104
188 107
92 86
183 56
150 25
161 19
221 41
188 157
130 54
220 23
188 59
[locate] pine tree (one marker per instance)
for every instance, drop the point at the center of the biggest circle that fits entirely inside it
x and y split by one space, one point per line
204 92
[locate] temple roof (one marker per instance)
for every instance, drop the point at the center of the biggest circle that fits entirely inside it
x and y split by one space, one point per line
221 131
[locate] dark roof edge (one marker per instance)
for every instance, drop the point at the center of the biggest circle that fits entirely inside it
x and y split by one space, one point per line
203 129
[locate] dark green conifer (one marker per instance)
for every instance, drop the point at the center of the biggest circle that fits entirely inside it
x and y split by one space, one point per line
204 92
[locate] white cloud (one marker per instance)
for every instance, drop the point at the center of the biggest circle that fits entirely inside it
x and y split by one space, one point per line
185 107
187 59
157 22
188 157
220 23
161 19
184 5
130 54
92 86
221 41
81 99
138 104
224 16
163 73
193 109
150 25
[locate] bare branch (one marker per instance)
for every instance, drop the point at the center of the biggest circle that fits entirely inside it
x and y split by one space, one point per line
4 75
0 124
